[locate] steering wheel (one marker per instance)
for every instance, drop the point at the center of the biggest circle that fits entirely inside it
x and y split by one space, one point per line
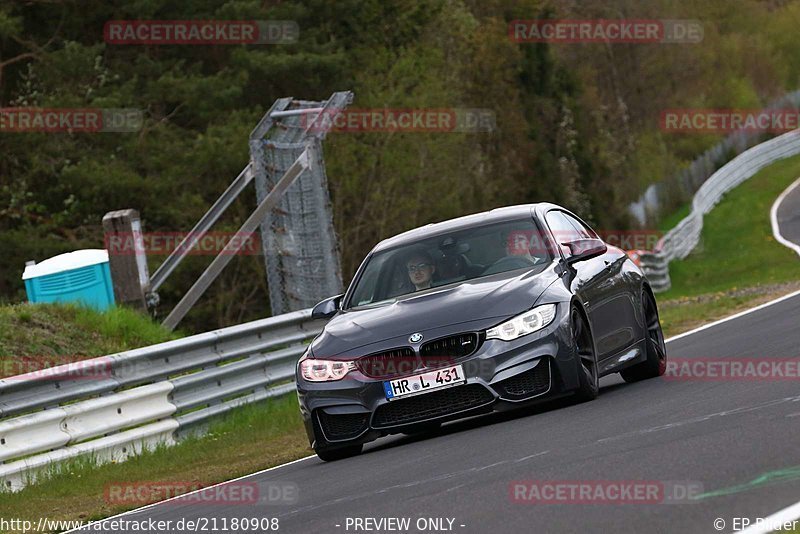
508 263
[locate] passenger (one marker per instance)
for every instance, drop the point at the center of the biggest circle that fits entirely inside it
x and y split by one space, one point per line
420 269
450 267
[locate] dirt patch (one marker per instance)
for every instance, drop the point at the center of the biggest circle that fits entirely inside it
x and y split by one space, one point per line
770 290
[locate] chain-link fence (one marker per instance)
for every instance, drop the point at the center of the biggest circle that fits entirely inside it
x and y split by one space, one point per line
298 238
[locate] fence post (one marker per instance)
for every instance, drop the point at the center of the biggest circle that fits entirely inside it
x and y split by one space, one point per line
126 257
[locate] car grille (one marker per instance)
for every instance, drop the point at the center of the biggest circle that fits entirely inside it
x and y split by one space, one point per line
342 426
444 351
527 384
389 363
429 405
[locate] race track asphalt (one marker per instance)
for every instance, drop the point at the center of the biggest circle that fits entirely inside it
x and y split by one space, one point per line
735 443
788 216
735 439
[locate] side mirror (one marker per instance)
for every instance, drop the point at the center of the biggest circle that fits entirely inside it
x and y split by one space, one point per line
584 249
327 308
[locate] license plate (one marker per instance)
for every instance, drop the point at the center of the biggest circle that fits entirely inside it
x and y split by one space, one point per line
430 381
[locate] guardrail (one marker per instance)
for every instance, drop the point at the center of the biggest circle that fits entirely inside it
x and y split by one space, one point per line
115 406
681 240
700 169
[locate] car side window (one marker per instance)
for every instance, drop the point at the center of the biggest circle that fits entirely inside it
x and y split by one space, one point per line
583 231
562 229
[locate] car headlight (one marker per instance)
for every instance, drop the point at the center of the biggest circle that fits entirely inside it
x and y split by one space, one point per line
315 370
524 323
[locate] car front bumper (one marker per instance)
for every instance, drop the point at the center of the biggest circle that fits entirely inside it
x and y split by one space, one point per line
499 375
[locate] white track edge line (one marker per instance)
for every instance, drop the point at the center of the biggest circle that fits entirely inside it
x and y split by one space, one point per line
734 316
786 515
673 338
773 217
184 495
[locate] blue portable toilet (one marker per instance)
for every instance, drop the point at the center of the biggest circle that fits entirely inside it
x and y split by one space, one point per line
82 276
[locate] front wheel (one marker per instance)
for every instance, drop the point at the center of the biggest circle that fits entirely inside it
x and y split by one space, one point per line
656 362
588 379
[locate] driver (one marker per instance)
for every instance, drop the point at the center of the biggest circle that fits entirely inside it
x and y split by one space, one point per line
420 269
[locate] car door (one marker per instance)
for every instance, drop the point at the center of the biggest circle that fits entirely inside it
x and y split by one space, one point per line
592 282
614 309
586 282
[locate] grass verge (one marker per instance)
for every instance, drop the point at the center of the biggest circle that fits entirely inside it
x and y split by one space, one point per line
683 314
249 439
737 248
33 336
738 265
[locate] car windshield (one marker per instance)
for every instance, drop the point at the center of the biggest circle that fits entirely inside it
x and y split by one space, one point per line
450 258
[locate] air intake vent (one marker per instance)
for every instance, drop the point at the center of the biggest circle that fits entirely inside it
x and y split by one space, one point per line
337 427
428 405
390 363
447 350
526 384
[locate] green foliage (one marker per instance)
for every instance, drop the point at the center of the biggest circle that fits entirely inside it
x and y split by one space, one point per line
576 124
737 248
54 334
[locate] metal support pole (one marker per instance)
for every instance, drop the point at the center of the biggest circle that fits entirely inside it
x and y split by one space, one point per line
293 112
202 226
233 246
219 207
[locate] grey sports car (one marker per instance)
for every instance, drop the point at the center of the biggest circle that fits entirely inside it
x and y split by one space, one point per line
485 312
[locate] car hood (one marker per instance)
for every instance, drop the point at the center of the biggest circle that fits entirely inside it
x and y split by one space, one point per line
480 302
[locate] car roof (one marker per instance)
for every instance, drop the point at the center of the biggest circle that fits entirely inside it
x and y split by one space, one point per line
476 219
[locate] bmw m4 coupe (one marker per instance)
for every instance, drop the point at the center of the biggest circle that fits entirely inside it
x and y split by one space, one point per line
486 312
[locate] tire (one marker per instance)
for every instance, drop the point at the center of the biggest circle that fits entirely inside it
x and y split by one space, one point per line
588 379
656 362
331 455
